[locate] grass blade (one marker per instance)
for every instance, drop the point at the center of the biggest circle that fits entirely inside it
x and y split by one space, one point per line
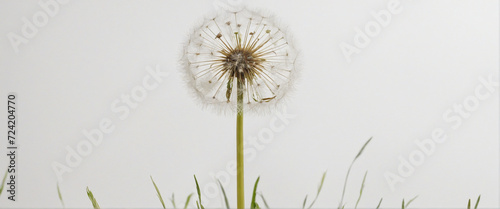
158 192
224 194
264 200
477 201
254 205
304 203
319 190
363 148
379 202
403 204
173 201
409 201
92 199
3 181
199 193
187 200
468 205
60 196
361 191
349 171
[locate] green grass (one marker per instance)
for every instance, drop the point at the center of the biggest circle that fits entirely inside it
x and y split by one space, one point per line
264 200
3 182
477 203
361 190
92 199
159 194
379 203
60 196
226 201
198 203
341 203
404 206
317 193
254 204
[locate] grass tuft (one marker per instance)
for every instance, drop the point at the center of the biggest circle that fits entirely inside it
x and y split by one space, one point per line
158 193
198 203
409 201
361 190
341 203
253 204
224 194
379 202
477 202
187 200
92 199
60 196
172 200
320 186
304 203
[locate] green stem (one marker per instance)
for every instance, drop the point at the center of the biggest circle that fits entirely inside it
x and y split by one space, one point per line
240 183
345 184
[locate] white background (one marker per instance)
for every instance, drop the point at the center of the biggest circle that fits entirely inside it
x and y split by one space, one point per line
396 89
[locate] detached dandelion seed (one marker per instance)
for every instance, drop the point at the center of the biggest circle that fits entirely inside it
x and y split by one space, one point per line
238 62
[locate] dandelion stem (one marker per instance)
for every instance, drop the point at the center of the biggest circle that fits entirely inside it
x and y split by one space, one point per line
239 148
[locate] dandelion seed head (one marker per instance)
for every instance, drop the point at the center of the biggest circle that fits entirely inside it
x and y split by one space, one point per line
245 47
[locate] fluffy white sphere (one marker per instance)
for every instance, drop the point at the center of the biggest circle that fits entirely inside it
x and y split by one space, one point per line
246 47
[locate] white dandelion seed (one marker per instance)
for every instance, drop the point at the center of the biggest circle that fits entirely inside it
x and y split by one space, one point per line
244 51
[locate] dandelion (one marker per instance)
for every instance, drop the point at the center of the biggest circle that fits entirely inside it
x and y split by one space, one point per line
238 62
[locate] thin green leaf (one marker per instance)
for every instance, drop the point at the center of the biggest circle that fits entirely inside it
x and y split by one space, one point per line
361 191
173 201
304 203
468 205
60 196
3 181
253 205
319 190
187 200
264 200
477 201
199 193
157 192
224 194
380 202
197 205
408 203
363 148
403 204
92 199
349 171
